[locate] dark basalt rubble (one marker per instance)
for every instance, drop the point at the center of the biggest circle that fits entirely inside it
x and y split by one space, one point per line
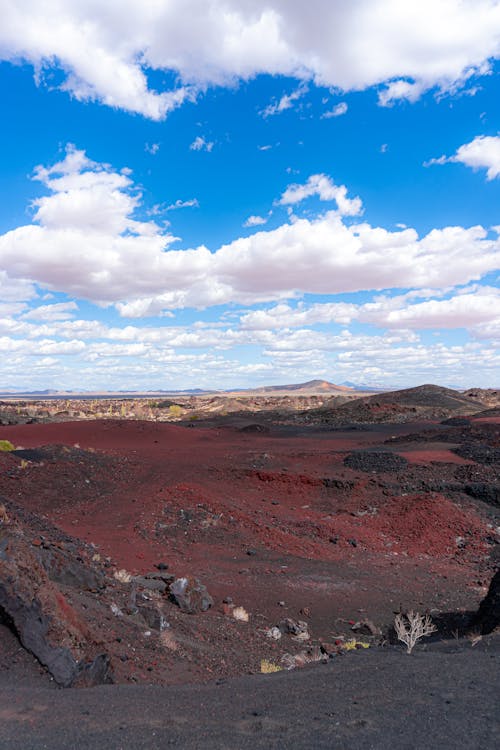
39 612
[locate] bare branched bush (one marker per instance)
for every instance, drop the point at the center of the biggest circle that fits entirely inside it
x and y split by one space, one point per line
411 627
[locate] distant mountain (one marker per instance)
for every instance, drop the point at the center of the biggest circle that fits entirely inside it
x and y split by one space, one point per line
363 387
311 387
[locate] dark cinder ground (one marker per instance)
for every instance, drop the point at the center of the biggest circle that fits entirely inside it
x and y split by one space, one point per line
442 696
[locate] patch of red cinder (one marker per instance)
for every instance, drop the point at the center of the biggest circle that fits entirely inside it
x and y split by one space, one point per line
200 499
433 455
428 525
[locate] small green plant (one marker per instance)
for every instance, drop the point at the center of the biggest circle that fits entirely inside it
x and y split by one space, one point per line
6 445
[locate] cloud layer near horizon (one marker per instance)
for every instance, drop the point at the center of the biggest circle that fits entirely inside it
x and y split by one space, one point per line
106 50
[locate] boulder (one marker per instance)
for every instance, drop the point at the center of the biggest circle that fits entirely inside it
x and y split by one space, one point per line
190 595
41 616
488 616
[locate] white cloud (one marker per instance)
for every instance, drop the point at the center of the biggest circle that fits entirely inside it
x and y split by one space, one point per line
15 290
397 90
86 242
191 203
322 186
42 346
152 148
286 102
284 316
467 308
105 50
481 153
255 221
339 110
56 311
201 144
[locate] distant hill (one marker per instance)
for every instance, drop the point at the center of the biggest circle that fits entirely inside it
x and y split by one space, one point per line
426 395
312 386
423 402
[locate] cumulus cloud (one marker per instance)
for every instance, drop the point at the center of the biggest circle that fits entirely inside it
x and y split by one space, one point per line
287 101
15 290
106 50
339 110
481 153
255 221
86 241
56 311
398 90
467 308
322 186
284 316
191 203
201 144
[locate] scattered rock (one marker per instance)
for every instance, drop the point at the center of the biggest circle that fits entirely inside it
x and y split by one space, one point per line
152 616
298 629
122 575
190 595
366 627
151 584
291 661
330 649
375 461
240 613
274 633
65 569
481 454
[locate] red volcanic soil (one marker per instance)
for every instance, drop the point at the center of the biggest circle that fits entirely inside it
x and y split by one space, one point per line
275 521
433 454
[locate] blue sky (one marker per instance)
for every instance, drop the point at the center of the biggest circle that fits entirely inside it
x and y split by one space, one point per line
245 193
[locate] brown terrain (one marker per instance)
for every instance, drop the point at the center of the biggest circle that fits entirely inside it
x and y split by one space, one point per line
135 551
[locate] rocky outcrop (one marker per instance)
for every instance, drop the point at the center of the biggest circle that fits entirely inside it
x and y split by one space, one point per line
488 615
40 614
